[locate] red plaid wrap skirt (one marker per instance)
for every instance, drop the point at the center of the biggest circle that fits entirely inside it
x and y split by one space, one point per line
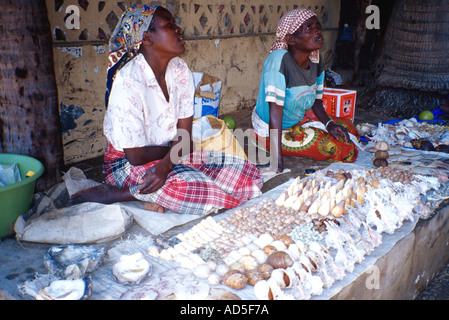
200 183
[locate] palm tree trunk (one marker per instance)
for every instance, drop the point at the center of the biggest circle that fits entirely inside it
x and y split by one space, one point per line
29 112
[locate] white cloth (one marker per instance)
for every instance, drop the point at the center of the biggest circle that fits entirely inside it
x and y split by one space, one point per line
138 114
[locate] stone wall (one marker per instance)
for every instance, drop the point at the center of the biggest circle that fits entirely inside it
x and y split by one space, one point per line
228 39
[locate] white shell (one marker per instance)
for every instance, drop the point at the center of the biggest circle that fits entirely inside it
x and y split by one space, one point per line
260 256
279 245
214 279
202 271
131 269
63 290
264 240
221 269
249 262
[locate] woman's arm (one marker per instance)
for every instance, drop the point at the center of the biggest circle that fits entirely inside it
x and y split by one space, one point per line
156 176
276 114
334 129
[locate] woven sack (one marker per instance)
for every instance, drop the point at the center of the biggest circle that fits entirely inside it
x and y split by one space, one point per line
223 141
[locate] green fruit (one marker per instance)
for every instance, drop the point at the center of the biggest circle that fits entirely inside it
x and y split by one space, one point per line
230 122
425 115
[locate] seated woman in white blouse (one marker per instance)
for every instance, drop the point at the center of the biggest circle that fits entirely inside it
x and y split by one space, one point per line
148 125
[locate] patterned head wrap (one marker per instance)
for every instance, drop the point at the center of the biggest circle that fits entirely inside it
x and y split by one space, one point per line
126 39
289 23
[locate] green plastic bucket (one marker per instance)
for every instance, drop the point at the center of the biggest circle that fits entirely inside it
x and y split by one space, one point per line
16 198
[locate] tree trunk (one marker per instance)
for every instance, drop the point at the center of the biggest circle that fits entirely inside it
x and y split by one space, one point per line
29 122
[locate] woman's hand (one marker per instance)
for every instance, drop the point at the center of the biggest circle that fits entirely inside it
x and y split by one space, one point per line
336 130
154 178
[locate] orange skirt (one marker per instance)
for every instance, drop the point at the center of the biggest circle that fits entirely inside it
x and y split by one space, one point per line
316 143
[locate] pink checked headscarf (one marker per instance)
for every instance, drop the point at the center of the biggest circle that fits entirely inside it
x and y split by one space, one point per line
289 23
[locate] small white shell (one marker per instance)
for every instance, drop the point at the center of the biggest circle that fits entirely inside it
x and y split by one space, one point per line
260 256
244 251
249 262
264 240
214 279
221 269
279 245
202 271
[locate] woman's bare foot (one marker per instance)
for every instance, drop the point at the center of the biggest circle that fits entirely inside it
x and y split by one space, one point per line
102 193
153 207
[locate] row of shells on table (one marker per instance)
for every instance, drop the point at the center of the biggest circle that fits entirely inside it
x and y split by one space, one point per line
256 246
403 132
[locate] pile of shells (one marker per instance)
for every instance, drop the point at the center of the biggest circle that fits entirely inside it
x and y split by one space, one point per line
259 245
404 132
381 154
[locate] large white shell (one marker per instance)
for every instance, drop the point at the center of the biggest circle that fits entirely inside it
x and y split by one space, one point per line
131 269
278 276
63 290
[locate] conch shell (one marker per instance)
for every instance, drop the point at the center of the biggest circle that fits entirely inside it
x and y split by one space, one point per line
280 259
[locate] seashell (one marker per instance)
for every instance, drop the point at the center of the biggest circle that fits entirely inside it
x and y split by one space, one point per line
254 276
306 205
154 251
260 256
323 210
313 209
214 279
236 255
298 202
262 290
235 280
222 269
380 163
339 209
269 249
244 251
73 261
293 251
202 271
340 176
78 289
270 290
266 270
252 247
285 278
131 269
264 240
287 240
249 262
382 146
237 266
280 259
192 290
379 154
279 245
281 199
